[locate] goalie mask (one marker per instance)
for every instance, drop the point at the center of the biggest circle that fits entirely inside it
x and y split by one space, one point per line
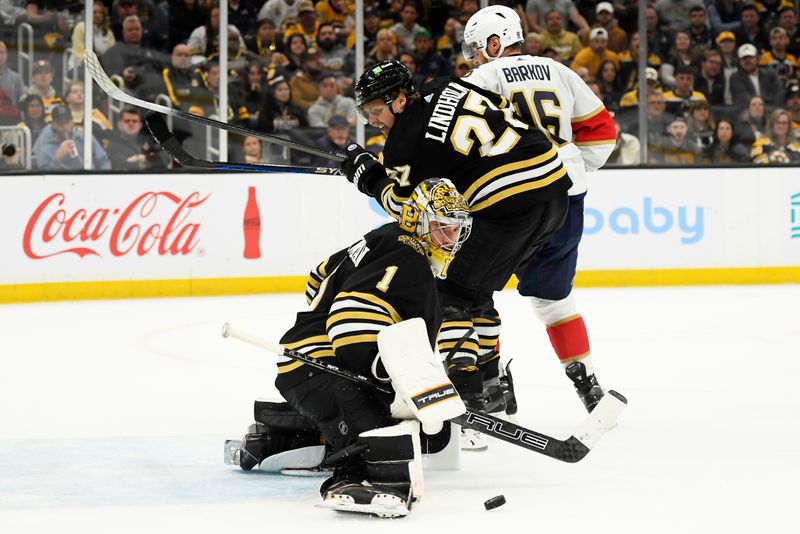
439 218
501 21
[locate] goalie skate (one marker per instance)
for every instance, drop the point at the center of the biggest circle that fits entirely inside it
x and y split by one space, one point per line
363 498
473 441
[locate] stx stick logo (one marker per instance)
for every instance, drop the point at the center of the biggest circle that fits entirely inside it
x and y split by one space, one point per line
497 426
153 221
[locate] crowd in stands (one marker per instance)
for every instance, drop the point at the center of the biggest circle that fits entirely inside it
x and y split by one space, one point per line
721 76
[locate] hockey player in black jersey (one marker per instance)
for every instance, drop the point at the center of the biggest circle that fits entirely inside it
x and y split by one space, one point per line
378 284
510 175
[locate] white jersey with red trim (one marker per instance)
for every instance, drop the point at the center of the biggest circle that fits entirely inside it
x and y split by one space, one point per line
556 100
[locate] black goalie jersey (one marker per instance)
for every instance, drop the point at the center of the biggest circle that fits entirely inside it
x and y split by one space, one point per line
471 136
383 279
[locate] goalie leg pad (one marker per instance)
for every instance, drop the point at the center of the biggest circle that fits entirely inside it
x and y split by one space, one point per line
262 442
417 374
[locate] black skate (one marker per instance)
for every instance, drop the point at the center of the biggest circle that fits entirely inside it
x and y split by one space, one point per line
587 387
499 396
507 387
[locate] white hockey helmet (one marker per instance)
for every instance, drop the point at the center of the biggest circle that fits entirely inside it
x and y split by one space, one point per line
501 21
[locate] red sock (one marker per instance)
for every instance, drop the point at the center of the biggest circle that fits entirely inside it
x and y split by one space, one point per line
569 338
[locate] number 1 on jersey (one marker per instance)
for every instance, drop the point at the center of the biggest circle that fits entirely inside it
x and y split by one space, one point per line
530 106
383 285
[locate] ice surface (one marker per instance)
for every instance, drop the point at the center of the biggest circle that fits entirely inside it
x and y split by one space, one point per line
113 415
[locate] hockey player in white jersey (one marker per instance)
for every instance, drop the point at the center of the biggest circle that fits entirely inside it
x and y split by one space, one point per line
552 97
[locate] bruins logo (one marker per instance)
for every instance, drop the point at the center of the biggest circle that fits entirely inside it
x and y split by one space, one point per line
411 242
446 199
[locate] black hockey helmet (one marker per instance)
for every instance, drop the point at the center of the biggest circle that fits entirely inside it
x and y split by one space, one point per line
382 81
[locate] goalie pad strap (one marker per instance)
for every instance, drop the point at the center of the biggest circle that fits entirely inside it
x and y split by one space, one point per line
281 416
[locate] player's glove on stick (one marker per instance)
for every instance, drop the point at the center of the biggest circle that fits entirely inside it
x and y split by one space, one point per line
361 168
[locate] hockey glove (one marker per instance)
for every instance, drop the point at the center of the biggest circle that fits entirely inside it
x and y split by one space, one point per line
361 168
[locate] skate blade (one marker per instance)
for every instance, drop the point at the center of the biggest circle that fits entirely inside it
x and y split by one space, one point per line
383 505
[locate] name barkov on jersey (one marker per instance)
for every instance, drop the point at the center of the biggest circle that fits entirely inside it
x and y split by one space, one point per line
527 72
443 111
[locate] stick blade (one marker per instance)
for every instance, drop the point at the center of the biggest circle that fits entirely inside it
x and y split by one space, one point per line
603 418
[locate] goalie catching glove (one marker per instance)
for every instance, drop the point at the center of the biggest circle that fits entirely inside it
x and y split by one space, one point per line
361 168
418 377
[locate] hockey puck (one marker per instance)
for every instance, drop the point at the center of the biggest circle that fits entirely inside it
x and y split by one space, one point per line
494 502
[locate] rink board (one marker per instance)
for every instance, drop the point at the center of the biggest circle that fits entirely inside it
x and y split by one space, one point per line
117 236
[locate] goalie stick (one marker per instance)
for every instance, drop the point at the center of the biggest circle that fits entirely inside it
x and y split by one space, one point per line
571 450
160 131
110 88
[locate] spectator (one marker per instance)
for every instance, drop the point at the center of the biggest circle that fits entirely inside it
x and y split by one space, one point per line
252 87
657 118
596 53
184 17
336 139
372 21
777 58
749 80
32 115
296 48
793 107
750 32
431 64
279 11
630 99
726 43
339 13
674 14
627 150
405 30
533 45
41 85
384 49
74 99
787 19
710 81
204 40
336 58
699 33
452 38
330 103
617 38
462 68
129 53
752 121
130 148
184 83
725 15
154 21
610 86
676 148
681 99
701 125
536 9
305 83
768 11
726 147
102 36
59 147
265 42
252 149
410 61
629 63
279 113
307 23
236 111
658 41
777 145
468 8
12 89
680 54
565 43
243 15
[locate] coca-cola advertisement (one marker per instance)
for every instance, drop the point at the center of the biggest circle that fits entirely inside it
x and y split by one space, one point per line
222 228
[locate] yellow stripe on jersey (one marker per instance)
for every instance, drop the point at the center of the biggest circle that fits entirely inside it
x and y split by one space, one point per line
468 346
350 316
589 143
588 115
352 340
507 168
316 340
518 189
374 300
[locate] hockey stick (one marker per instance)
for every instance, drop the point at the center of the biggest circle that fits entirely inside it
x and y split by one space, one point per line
101 78
160 131
571 450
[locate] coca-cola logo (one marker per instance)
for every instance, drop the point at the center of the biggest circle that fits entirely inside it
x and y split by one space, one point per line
153 223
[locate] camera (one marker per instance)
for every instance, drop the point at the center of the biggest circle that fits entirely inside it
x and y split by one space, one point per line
9 150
